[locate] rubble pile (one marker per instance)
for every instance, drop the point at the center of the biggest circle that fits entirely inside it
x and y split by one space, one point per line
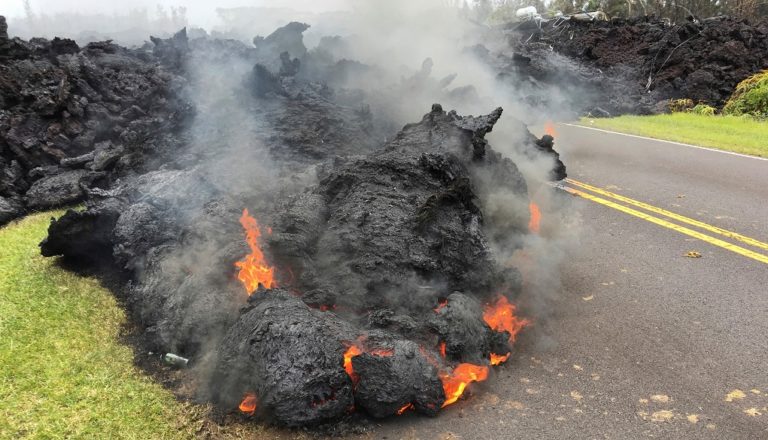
638 65
380 243
73 119
372 241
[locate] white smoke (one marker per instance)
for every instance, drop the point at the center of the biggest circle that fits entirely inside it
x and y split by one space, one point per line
396 37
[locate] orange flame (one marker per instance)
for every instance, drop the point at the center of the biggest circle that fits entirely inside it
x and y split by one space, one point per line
351 352
456 382
497 359
549 128
535 223
442 349
404 409
501 317
254 269
248 405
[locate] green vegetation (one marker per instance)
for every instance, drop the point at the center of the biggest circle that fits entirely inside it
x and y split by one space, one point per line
63 373
750 97
732 133
680 105
704 110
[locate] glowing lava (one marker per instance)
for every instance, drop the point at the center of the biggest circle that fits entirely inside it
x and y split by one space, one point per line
501 317
254 269
351 352
535 223
248 405
404 409
456 382
442 349
382 352
497 359
549 128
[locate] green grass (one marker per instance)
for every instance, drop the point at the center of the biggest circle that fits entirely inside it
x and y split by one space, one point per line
63 372
730 133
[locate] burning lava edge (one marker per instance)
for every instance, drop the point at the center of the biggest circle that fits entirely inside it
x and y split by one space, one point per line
255 273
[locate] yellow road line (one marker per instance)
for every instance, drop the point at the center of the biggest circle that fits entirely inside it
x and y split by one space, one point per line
672 215
681 229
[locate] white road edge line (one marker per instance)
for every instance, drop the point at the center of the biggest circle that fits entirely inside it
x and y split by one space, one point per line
665 141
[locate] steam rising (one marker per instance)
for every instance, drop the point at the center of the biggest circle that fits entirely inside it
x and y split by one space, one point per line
416 53
407 55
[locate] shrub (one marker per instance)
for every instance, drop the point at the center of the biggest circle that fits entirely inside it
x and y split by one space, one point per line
749 117
704 110
680 105
750 97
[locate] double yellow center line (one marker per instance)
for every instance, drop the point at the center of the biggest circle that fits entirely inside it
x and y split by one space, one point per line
668 224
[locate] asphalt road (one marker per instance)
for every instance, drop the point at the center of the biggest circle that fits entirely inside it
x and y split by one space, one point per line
640 341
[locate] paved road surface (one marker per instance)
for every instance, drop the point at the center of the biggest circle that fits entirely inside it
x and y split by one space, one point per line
643 342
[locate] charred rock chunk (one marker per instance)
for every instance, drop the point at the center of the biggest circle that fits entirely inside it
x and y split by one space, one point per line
63 46
77 162
478 127
387 319
38 173
289 67
546 146
4 43
290 356
172 51
60 189
460 325
319 299
3 30
11 178
104 159
263 81
288 38
9 210
390 382
137 231
84 237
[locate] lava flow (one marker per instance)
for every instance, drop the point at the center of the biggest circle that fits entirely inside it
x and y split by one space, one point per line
353 351
501 317
254 269
455 382
497 359
404 409
248 405
549 128
535 223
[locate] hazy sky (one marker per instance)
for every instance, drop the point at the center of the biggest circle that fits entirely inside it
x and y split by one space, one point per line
199 12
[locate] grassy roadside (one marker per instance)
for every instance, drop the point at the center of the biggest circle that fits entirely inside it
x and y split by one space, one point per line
63 373
730 133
